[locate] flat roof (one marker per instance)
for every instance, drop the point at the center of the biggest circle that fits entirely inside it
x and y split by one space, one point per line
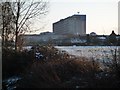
70 17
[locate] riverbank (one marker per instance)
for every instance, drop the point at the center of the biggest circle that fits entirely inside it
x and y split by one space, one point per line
57 69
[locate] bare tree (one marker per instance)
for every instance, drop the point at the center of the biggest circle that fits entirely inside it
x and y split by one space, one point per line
7 24
25 12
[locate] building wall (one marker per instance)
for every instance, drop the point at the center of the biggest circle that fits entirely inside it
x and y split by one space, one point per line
75 24
30 39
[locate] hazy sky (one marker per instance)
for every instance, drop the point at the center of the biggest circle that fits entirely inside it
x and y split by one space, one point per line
101 15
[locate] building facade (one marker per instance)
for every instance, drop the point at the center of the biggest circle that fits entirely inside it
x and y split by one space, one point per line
73 25
43 38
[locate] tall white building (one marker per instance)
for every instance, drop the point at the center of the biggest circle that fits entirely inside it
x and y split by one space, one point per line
73 25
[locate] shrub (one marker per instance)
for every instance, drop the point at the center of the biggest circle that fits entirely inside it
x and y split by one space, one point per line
55 69
14 63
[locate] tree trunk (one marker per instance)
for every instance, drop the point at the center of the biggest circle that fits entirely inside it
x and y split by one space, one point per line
16 40
16 31
3 26
3 36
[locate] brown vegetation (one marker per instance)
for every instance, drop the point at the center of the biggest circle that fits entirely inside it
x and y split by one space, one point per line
56 70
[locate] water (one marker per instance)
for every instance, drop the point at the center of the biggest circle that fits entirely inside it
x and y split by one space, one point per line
99 53
102 54
27 47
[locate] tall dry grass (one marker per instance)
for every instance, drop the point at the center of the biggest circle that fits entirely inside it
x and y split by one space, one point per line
55 69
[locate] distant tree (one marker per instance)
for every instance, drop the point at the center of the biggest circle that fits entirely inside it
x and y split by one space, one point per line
88 39
112 38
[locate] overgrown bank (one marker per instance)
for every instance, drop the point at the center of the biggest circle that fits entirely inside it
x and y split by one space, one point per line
55 69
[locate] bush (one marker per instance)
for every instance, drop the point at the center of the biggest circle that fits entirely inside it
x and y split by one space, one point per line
40 75
56 69
14 63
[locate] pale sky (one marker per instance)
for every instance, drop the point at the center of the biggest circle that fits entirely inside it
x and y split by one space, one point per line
101 15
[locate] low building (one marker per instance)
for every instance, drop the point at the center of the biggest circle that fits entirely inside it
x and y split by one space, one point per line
43 38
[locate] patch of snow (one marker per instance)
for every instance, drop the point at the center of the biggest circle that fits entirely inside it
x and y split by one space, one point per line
10 82
39 56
